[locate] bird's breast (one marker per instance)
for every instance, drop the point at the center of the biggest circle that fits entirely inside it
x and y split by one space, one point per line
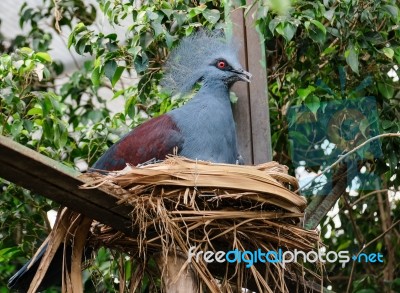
209 132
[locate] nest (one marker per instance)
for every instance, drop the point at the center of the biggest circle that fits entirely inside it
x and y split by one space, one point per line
179 203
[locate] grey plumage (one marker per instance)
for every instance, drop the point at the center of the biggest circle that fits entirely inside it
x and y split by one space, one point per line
206 122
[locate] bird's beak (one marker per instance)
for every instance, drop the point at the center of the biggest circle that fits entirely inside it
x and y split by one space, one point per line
243 75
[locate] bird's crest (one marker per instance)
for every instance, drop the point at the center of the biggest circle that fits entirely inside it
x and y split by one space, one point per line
187 63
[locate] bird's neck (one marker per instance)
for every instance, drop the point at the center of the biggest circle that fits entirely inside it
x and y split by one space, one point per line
218 90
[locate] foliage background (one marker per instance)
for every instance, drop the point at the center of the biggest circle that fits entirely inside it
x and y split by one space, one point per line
305 41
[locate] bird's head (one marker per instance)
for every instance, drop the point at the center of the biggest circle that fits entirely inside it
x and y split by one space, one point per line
225 68
204 56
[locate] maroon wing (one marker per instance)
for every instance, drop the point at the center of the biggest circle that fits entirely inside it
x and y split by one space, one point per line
154 139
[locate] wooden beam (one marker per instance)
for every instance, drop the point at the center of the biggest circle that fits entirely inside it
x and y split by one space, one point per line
241 110
33 171
260 124
251 111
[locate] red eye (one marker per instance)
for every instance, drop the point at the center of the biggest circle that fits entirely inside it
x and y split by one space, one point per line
221 64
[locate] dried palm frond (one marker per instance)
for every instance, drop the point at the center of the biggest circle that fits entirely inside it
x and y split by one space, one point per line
180 203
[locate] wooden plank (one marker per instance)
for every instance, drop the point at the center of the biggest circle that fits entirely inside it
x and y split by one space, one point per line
33 171
260 123
241 110
251 111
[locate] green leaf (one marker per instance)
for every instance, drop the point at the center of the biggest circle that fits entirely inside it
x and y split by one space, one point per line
212 15
364 124
273 24
109 69
117 74
48 128
167 12
157 27
28 125
299 137
96 76
386 124
287 30
233 97
180 17
313 103
141 63
389 52
316 30
44 57
26 50
71 40
118 93
169 40
344 245
379 246
151 15
386 90
46 73
16 128
333 31
303 93
112 36
134 50
130 106
352 58
194 11
329 50
35 111
319 25
106 7
329 14
165 5
393 11
6 254
80 27
63 135
80 46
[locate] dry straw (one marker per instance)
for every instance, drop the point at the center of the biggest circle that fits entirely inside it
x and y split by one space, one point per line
181 203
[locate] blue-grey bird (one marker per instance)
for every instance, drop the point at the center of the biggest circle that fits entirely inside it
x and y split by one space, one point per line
201 129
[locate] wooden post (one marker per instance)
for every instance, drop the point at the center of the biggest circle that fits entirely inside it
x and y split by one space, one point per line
175 276
251 111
